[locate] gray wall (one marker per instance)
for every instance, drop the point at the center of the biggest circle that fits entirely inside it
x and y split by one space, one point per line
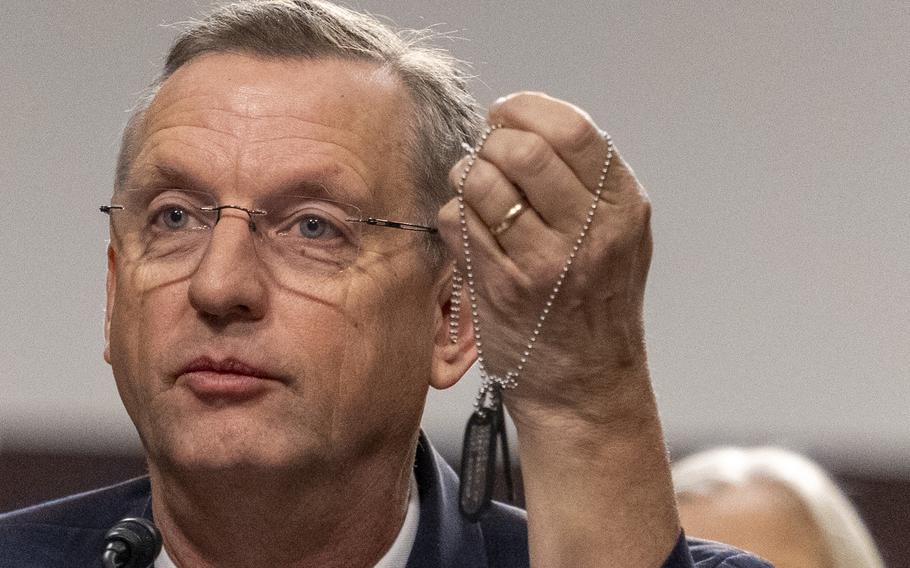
773 138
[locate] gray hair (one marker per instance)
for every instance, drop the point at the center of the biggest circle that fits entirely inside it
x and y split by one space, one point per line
846 538
445 115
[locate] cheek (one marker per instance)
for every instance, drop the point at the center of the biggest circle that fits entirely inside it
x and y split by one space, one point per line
397 335
143 322
387 349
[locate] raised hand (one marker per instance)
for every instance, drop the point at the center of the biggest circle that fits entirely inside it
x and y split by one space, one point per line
541 215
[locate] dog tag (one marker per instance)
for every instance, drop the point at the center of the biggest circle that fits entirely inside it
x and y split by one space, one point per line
478 462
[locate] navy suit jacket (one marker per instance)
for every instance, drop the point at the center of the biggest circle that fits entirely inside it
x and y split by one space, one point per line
69 532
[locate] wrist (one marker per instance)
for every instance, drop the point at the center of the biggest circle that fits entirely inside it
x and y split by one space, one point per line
605 483
610 402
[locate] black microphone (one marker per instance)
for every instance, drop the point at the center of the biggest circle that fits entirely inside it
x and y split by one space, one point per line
131 543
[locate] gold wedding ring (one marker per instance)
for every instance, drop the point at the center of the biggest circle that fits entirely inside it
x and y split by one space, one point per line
513 213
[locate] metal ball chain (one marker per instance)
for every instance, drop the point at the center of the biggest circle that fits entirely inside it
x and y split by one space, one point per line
455 307
489 382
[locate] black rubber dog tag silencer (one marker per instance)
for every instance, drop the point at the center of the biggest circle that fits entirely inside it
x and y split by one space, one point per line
478 463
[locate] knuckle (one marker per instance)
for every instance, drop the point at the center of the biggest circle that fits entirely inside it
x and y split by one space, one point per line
448 217
477 185
545 268
510 104
532 156
510 292
506 291
643 210
545 277
581 280
482 176
577 133
448 225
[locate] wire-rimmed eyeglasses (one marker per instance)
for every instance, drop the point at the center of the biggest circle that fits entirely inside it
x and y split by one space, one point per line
169 230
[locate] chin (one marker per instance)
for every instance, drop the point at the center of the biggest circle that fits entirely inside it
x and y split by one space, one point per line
210 446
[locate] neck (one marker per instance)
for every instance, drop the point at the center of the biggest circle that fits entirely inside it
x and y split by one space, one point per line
266 517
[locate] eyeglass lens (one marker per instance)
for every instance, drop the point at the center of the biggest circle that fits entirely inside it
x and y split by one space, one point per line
304 243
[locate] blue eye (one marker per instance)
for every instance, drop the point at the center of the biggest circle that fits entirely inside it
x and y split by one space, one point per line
316 227
174 217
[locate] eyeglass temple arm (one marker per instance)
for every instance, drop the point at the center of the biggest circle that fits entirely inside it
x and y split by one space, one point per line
108 208
394 224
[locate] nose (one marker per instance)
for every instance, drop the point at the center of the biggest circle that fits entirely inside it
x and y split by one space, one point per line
228 282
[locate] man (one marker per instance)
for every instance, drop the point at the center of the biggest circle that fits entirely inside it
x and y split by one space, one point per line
273 343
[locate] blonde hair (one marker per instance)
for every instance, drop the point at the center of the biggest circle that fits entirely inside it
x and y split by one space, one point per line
846 538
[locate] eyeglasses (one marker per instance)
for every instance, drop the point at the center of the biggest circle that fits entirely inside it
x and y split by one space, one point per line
304 241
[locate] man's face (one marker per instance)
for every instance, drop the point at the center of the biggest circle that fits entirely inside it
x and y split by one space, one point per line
228 367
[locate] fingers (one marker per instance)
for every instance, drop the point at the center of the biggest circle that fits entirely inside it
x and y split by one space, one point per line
490 196
526 160
484 249
571 134
550 156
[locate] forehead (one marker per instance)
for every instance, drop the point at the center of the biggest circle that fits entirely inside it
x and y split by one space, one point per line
242 123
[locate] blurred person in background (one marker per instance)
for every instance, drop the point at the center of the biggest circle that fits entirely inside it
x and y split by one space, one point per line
775 503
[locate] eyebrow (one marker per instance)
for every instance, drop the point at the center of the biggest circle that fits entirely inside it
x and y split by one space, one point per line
329 186
159 173
322 187
316 189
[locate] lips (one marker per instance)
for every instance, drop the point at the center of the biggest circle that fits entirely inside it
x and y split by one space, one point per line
226 378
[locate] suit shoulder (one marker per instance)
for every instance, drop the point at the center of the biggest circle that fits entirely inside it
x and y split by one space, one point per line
96 509
68 532
709 554
505 535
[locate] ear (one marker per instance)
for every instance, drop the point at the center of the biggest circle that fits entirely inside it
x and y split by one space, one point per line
451 359
111 287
